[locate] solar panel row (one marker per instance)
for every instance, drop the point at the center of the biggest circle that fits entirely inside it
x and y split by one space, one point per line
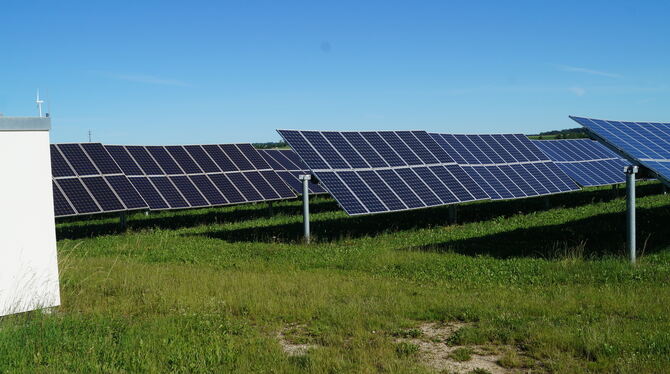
383 171
91 178
506 166
586 161
645 143
86 180
192 176
289 167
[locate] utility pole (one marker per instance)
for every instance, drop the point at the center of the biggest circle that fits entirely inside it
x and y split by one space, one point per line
89 136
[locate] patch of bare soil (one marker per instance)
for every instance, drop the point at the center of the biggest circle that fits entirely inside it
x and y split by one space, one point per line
436 353
294 340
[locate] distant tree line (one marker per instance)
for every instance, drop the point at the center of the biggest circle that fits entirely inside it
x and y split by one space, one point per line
268 145
576 133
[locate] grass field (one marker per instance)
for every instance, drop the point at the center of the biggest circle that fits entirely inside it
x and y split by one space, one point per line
210 290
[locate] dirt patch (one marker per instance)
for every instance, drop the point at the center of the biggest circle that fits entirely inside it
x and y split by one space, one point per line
294 340
434 352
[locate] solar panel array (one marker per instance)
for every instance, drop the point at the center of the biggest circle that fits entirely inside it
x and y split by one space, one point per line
586 161
645 143
288 165
383 171
87 181
193 176
506 166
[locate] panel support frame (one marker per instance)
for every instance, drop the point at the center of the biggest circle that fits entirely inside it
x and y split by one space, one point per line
305 178
630 172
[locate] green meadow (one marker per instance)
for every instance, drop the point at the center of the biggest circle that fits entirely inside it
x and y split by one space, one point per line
218 290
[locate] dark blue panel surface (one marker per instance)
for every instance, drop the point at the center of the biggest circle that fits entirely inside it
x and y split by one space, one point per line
80 198
306 151
325 150
293 158
163 158
144 160
277 184
362 191
202 158
245 187
126 192
489 174
365 149
227 188
253 156
383 192
77 158
345 149
237 157
470 185
149 193
431 144
342 194
405 193
389 145
291 180
261 185
103 194
208 189
61 206
169 192
183 159
59 167
270 156
436 184
222 161
419 187
124 160
491 189
101 158
417 147
189 191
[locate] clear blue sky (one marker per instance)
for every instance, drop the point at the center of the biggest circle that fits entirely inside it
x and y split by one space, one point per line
176 72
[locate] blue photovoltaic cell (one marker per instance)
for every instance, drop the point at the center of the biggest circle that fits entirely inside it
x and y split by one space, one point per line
169 192
294 158
78 159
103 194
336 187
124 160
144 160
246 188
61 206
345 149
183 159
59 167
202 158
78 195
586 161
102 160
227 188
277 184
261 185
505 166
270 156
291 180
237 157
208 189
220 158
164 159
189 191
382 191
149 193
126 192
253 155
374 170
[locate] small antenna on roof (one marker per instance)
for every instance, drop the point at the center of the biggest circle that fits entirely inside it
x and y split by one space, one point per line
39 102
89 136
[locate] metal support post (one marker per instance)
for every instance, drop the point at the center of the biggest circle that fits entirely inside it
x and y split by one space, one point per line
271 211
547 203
123 220
630 210
453 214
305 204
664 188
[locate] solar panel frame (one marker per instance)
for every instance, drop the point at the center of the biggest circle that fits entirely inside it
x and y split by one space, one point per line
501 165
281 161
409 154
586 161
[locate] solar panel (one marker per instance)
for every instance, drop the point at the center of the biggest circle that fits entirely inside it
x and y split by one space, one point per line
288 166
644 143
201 175
383 171
87 180
586 161
505 166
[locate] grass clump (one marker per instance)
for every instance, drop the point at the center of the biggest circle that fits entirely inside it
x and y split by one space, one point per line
406 349
461 354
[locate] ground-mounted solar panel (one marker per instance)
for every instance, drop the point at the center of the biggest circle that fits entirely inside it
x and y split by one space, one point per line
645 144
288 166
87 180
383 171
586 161
506 166
192 176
